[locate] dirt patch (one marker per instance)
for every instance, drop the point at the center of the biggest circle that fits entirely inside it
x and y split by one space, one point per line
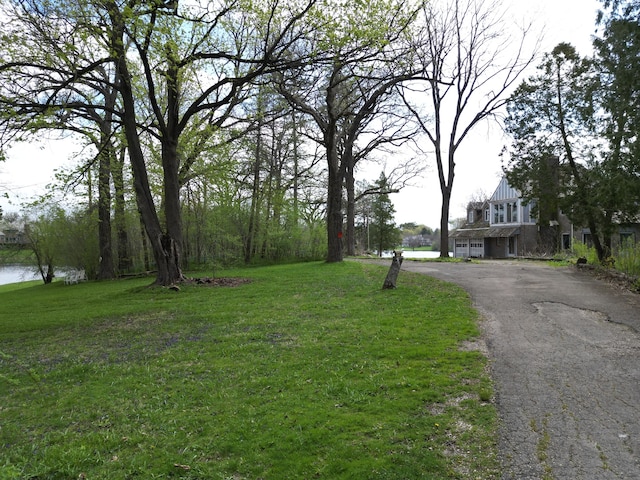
217 282
615 278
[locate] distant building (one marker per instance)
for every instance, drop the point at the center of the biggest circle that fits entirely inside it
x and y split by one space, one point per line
504 227
415 241
12 236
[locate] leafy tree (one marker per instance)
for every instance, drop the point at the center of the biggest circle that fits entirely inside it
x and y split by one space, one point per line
570 149
618 62
469 75
61 239
174 69
384 233
619 8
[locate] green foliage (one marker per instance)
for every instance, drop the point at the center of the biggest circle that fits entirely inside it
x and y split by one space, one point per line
309 370
584 112
384 233
583 251
60 239
627 258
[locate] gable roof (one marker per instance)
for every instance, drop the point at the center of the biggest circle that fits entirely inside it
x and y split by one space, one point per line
504 191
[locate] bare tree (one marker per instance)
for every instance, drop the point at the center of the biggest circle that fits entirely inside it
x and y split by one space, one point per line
472 62
348 93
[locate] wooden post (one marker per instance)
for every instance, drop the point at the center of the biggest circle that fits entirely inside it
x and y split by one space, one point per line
394 270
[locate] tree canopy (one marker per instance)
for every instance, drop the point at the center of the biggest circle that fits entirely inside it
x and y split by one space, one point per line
575 130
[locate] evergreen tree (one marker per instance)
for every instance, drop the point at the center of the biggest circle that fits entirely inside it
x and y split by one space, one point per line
384 233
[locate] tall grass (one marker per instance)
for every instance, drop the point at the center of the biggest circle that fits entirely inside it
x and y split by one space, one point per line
308 371
628 258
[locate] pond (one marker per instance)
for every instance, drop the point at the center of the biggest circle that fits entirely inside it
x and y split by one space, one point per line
416 254
17 273
22 273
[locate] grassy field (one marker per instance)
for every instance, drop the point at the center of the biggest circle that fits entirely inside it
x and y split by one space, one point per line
307 371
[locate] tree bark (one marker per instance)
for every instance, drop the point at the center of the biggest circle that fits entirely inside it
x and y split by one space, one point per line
334 210
444 222
117 174
166 250
105 269
394 270
351 209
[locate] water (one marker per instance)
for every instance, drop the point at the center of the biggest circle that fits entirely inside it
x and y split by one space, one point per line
416 254
21 273
17 273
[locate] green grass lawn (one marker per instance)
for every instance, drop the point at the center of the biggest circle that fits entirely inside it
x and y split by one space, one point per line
308 371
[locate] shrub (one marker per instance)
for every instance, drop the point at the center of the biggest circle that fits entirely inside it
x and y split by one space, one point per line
582 250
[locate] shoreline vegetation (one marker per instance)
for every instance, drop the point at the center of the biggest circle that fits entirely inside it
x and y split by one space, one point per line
307 370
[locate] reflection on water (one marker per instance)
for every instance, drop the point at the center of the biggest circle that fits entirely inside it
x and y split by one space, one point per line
416 254
16 273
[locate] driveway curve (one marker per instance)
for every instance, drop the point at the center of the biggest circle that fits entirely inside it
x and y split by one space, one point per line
564 351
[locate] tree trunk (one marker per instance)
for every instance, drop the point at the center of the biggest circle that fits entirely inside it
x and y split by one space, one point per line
166 251
444 223
334 214
122 238
105 268
249 245
172 240
351 210
394 270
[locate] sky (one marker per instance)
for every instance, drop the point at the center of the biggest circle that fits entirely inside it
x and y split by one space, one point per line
478 167
29 167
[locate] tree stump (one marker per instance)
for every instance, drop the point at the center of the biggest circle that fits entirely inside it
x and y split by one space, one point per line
394 270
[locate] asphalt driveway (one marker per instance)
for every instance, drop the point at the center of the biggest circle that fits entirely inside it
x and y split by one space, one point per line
564 349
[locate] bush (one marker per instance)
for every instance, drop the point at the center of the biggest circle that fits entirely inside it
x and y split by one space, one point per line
581 250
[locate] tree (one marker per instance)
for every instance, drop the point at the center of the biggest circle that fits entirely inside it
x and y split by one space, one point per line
469 71
551 117
619 8
617 60
363 60
28 112
174 68
384 233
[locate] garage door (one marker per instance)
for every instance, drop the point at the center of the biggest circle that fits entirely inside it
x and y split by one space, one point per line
462 248
476 247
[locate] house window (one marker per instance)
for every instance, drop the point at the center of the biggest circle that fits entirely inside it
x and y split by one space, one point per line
526 212
505 212
486 215
512 212
470 216
512 245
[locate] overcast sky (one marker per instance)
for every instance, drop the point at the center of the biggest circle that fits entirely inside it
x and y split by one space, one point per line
30 166
478 165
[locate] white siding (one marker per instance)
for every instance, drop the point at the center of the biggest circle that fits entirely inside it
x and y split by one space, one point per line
461 249
476 247
504 192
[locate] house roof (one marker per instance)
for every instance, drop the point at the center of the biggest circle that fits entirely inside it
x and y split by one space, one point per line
504 191
489 232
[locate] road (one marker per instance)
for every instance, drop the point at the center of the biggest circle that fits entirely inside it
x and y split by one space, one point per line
564 351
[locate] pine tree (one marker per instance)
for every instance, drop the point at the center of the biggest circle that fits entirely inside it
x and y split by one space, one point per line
384 233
